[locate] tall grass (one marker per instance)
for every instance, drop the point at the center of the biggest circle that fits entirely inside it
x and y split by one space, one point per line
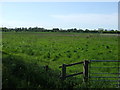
26 54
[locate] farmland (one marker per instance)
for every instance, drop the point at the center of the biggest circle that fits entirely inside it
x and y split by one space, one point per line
25 54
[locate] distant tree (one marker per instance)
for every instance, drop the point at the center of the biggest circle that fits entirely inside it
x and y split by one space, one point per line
80 30
74 30
55 29
36 29
87 30
4 29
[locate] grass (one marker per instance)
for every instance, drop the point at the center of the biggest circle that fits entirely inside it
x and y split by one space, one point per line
35 50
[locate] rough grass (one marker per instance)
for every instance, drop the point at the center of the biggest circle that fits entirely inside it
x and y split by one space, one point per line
32 51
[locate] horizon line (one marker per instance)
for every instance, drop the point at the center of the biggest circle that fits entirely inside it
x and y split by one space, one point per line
58 28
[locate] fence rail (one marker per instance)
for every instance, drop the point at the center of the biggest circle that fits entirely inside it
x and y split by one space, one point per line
107 80
105 73
72 64
104 60
117 78
102 77
105 67
86 71
74 74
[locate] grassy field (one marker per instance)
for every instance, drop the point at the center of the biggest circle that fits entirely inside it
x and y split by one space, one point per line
25 54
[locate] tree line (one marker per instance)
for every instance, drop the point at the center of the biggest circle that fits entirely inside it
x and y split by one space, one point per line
37 29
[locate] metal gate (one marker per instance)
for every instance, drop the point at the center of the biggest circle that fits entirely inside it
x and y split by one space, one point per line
107 72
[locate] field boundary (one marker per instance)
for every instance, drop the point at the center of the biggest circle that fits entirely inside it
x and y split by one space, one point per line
84 72
106 77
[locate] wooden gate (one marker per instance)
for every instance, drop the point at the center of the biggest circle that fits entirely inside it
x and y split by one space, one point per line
107 72
84 72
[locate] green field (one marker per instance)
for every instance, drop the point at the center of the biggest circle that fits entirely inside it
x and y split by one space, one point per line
25 54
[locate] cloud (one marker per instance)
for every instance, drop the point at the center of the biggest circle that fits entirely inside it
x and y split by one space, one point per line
88 19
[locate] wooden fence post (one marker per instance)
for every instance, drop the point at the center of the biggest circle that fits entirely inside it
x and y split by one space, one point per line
85 71
46 68
63 71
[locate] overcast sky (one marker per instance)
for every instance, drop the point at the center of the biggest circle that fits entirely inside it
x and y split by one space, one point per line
84 15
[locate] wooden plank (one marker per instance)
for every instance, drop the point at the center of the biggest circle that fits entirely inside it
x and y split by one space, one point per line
74 74
72 64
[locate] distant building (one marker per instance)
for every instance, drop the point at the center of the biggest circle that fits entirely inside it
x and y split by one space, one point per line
99 29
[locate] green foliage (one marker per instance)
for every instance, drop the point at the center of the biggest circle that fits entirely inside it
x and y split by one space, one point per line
17 73
26 53
37 29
